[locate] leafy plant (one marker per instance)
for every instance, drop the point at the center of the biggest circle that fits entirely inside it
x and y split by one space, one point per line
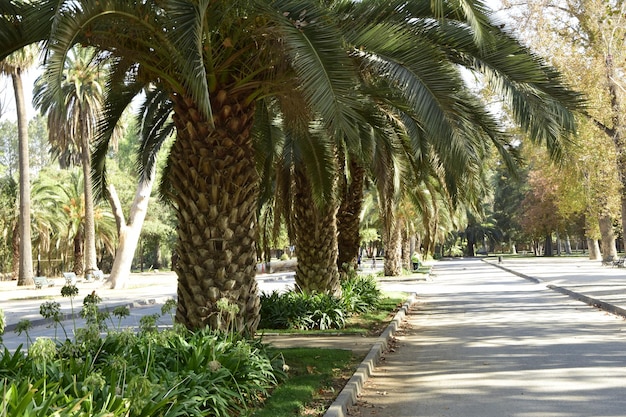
360 293
3 322
52 310
23 326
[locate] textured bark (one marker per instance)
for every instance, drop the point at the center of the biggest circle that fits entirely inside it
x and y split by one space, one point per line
79 261
609 252
617 135
316 241
214 185
406 249
348 216
393 250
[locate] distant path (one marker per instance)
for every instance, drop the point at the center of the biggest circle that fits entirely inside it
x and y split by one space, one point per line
482 342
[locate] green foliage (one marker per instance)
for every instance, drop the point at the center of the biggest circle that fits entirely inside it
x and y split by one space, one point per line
150 373
360 294
303 311
310 371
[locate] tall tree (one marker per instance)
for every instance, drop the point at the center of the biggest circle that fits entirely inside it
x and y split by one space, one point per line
585 39
14 66
215 59
73 112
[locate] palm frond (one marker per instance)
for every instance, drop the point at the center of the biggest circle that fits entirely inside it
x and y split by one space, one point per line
187 20
325 75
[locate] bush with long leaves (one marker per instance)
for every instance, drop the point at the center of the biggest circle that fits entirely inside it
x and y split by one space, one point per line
148 372
303 311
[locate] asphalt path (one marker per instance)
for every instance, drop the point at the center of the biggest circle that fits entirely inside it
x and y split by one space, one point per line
483 342
145 295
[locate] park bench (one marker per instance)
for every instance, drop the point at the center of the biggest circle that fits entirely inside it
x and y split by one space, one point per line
619 263
40 282
70 278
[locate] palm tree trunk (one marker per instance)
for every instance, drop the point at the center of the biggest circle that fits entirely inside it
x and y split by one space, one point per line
393 250
90 256
25 276
406 249
348 216
79 253
316 241
215 186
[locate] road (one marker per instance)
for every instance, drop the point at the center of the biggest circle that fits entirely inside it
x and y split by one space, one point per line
482 342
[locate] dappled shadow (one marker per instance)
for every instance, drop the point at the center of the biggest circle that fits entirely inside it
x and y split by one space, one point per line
482 342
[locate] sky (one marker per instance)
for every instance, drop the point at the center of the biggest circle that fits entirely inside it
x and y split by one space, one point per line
7 99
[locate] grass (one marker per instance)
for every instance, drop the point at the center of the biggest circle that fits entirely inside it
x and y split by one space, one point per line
316 376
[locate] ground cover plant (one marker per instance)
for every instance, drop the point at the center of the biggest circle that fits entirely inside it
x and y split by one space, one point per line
108 371
308 311
316 376
111 371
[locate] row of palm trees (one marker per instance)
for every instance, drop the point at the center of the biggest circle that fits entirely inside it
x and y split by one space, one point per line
328 93
57 219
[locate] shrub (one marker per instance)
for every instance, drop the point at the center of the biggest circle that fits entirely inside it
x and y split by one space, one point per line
302 311
150 373
360 294
297 310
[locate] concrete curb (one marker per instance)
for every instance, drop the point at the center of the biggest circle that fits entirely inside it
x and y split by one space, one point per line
349 394
593 302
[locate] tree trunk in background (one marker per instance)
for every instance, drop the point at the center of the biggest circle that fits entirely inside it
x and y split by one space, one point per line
25 275
348 216
594 250
15 246
130 232
392 240
617 135
607 239
215 187
406 250
79 265
547 251
316 241
568 245
90 256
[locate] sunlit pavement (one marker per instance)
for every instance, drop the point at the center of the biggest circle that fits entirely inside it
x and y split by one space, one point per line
484 342
145 295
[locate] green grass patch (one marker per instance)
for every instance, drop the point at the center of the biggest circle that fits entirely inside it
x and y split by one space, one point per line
369 323
315 378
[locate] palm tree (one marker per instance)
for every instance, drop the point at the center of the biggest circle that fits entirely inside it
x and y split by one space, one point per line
14 65
72 117
216 58
59 207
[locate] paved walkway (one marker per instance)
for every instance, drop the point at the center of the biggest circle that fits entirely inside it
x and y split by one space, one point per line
480 341
145 295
